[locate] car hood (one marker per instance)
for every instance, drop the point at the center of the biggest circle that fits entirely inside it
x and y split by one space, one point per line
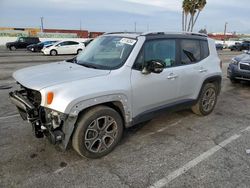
42 76
242 57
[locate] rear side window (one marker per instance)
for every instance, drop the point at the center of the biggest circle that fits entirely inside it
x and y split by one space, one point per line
190 51
204 49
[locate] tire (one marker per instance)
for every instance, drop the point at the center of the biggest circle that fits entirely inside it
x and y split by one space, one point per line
13 48
93 138
79 51
207 100
234 81
53 52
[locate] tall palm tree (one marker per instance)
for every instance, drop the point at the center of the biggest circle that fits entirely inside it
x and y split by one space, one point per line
200 6
191 7
186 5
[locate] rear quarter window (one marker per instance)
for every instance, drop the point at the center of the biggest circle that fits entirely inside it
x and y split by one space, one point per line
204 49
190 51
193 51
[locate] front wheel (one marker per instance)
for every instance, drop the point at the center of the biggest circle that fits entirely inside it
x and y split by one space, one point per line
12 48
97 132
207 100
53 52
79 51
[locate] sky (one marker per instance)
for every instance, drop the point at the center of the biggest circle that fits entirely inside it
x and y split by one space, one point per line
121 15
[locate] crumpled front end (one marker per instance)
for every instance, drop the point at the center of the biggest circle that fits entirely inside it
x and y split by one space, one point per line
44 121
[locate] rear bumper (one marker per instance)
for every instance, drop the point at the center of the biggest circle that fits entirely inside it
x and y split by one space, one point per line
233 72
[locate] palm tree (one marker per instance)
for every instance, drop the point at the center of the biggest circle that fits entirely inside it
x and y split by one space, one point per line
186 10
200 6
191 7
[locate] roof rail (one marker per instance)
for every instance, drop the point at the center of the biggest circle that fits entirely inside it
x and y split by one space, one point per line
122 32
164 33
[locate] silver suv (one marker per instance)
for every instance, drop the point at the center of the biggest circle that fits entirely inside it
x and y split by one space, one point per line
120 80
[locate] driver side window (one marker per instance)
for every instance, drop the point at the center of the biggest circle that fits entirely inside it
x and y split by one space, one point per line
163 50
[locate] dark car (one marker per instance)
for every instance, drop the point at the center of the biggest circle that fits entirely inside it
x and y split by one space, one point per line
219 46
39 46
22 42
240 46
239 68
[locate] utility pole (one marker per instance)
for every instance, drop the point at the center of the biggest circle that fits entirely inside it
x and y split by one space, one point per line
135 27
80 25
225 32
41 23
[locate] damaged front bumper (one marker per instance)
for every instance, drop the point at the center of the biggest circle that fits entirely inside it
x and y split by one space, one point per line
56 126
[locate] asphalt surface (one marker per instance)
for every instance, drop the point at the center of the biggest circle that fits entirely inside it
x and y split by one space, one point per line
173 150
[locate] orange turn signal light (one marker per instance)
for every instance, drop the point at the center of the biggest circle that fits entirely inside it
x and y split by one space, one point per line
50 96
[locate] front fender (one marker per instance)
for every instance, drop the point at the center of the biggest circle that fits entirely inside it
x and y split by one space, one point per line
123 99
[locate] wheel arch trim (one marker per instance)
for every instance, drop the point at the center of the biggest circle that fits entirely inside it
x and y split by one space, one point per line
120 101
212 79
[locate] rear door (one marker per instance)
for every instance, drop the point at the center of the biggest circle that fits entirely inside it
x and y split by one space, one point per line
193 64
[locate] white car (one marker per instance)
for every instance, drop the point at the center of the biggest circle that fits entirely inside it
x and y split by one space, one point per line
64 47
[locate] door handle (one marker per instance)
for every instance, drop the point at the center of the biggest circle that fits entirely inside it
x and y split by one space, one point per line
202 70
172 76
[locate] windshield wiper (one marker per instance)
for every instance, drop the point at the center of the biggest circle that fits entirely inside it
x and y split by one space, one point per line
73 60
88 65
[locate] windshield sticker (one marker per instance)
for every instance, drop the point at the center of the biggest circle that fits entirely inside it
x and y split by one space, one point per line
128 41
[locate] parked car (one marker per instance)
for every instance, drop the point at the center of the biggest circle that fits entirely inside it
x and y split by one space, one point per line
240 46
120 80
239 68
219 46
22 42
39 46
64 47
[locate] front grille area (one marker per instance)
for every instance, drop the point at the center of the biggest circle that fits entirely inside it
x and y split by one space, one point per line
33 96
245 67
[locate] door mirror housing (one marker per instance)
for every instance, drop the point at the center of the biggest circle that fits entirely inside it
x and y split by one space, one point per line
154 66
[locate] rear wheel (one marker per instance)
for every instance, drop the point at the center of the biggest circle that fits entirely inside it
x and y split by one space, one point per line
53 52
97 132
207 100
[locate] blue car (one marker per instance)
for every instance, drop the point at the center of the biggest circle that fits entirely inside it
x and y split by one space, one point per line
38 47
239 68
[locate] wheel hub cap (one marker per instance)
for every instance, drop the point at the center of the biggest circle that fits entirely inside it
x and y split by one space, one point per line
100 134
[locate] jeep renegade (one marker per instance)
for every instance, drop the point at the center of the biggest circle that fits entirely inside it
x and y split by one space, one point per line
120 80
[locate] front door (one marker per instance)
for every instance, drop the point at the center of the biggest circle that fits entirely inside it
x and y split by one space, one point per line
153 91
63 47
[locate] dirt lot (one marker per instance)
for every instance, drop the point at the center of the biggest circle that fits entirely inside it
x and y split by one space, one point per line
173 150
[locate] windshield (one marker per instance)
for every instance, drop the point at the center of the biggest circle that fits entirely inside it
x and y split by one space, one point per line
106 52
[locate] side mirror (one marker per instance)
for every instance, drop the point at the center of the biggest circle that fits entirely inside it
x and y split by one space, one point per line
154 66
